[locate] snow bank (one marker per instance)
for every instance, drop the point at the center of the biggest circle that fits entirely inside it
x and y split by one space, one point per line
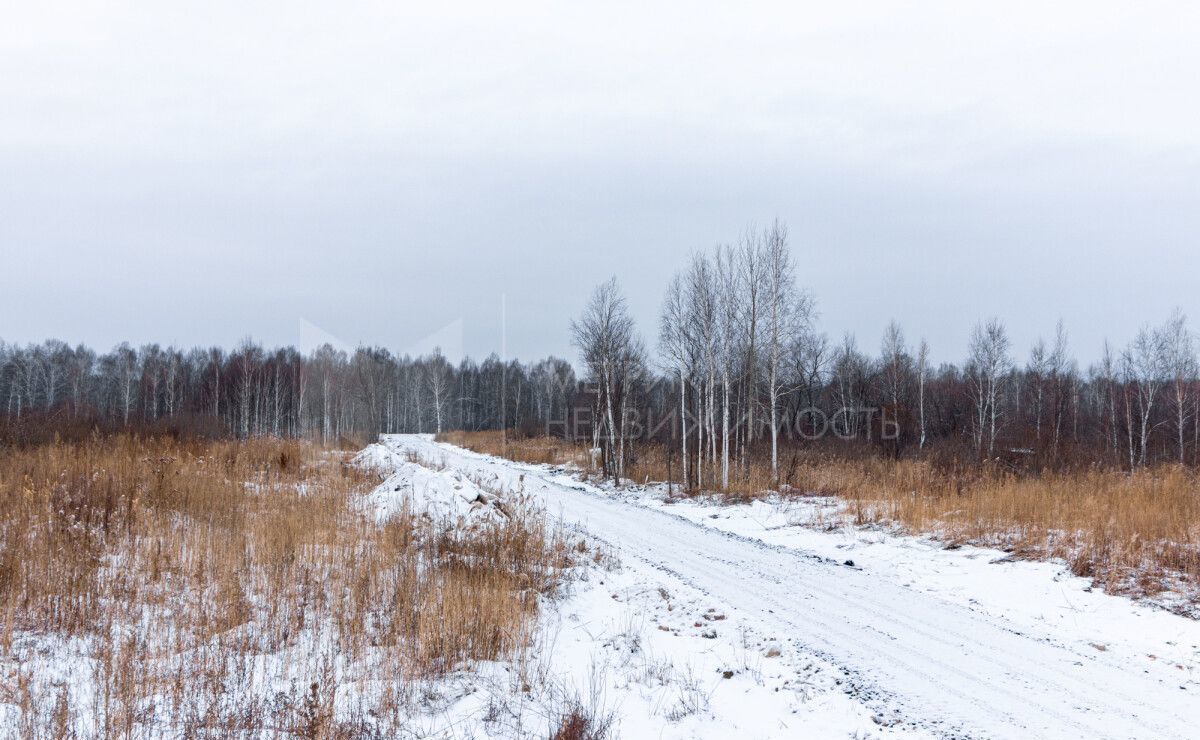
427 486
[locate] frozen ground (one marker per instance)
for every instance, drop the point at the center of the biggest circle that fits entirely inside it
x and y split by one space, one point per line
724 620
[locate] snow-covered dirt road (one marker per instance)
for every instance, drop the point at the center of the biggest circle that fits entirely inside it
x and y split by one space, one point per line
940 666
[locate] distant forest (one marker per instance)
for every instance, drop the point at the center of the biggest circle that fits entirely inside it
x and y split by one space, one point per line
737 353
252 391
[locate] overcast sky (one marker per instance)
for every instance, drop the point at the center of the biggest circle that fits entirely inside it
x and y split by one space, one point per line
195 173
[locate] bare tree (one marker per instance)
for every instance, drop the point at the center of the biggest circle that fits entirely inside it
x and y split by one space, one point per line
438 379
850 374
702 313
82 366
326 361
1145 367
1035 373
246 362
896 372
750 263
604 335
677 346
922 374
1180 360
1108 375
1062 376
987 366
727 343
788 315
127 373
811 356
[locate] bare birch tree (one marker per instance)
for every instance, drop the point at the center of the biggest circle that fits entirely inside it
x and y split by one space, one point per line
987 366
788 314
677 346
1145 367
922 375
1180 360
604 335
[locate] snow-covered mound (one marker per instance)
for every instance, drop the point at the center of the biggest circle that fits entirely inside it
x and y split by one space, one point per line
378 458
425 486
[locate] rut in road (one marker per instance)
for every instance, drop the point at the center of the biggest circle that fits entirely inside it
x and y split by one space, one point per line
945 667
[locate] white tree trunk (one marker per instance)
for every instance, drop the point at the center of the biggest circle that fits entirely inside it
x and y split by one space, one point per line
683 426
725 432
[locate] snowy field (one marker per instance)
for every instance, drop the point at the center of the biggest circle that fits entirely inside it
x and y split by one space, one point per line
758 620
692 619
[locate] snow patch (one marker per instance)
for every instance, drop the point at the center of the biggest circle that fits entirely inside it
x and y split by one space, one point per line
426 486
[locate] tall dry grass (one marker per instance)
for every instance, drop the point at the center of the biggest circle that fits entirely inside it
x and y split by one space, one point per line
513 446
1132 533
226 589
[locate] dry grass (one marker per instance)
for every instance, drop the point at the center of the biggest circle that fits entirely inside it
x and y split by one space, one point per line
577 723
535 450
230 588
1136 534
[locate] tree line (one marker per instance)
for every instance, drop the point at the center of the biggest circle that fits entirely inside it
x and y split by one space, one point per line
328 394
740 373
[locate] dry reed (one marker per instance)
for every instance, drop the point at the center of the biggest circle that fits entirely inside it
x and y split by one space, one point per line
232 588
534 450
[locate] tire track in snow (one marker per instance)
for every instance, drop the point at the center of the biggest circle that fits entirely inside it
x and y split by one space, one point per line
933 659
